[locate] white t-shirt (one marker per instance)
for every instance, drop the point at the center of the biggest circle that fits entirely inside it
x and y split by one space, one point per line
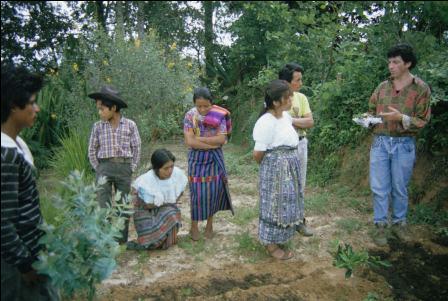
270 132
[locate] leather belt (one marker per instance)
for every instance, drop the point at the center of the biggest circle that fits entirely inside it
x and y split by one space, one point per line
116 160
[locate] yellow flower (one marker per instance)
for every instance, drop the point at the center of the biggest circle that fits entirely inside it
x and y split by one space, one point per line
108 79
137 43
53 116
171 65
173 46
189 64
75 67
105 63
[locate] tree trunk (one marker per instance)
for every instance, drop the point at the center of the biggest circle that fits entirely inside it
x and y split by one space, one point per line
119 21
141 20
208 39
100 14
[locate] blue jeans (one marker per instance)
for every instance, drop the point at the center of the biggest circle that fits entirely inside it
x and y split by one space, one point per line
391 163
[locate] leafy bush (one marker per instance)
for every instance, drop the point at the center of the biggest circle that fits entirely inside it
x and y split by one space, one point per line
43 136
155 82
348 259
73 154
80 252
428 214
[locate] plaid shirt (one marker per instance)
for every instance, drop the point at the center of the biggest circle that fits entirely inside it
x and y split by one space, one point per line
105 142
413 101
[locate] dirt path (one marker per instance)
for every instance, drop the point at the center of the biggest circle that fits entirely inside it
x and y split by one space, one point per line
233 266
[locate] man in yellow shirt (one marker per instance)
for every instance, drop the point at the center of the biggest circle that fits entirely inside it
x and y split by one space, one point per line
302 120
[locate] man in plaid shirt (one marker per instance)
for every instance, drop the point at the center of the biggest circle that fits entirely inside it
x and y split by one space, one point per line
403 102
114 148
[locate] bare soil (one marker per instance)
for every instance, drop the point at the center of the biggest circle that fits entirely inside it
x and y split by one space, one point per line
225 268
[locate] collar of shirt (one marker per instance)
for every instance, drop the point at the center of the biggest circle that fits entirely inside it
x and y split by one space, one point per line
108 122
20 145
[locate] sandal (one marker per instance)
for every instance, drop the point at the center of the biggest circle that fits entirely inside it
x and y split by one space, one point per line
280 254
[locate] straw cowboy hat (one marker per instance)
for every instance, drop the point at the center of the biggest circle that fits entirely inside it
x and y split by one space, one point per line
111 94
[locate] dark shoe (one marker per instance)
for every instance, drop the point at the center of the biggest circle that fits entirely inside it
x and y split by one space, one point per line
401 231
380 235
304 230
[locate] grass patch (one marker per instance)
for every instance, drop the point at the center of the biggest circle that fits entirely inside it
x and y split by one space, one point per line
193 248
318 203
349 225
427 214
240 164
186 291
244 215
312 245
250 247
359 205
49 212
244 189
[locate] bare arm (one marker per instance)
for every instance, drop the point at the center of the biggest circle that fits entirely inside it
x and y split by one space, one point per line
192 141
305 122
258 156
217 140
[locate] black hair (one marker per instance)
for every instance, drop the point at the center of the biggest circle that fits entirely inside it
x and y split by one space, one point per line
108 103
18 85
275 91
160 157
405 51
288 70
202 92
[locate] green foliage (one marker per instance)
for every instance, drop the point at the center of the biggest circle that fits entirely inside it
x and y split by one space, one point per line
244 216
349 225
428 214
240 164
318 203
348 259
80 252
43 136
193 248
33 32
49 211
72 154
249 246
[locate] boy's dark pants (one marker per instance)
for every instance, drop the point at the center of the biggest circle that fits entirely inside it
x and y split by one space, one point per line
119 174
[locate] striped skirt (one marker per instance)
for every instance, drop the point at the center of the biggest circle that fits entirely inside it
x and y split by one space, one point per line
207 177
281 196
157 227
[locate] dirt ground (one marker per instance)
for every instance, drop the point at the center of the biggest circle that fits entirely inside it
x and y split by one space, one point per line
233 266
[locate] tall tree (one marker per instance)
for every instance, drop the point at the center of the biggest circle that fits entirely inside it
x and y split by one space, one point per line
209 38
33 32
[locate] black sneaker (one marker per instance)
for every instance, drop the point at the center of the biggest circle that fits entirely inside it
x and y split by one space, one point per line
304 230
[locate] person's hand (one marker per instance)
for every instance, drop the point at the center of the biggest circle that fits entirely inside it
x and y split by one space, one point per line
296 110
394 115
32 278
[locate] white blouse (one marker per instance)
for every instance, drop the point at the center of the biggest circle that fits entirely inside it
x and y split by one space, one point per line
152 190
270 132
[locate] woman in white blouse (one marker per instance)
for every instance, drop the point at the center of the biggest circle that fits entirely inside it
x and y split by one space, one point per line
156 216
281 199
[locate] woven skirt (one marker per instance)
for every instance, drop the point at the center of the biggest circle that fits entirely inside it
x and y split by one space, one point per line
281 196
157 227
207 177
